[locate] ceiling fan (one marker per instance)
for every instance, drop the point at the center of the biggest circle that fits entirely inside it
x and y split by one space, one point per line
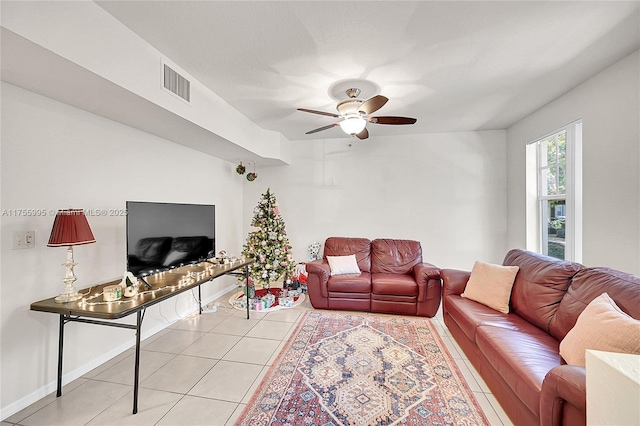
355 114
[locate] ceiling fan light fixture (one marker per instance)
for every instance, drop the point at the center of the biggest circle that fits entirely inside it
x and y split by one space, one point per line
353 125
356 113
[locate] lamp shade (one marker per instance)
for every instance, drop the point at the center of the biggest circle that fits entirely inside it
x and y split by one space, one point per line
353 125
70 228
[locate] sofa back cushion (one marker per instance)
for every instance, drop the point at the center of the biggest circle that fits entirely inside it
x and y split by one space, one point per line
590 283
394 256
340 246
540 285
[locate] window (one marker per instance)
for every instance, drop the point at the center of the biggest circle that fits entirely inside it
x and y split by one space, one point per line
556 213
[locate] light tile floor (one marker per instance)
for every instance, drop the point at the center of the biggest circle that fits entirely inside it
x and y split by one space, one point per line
199 371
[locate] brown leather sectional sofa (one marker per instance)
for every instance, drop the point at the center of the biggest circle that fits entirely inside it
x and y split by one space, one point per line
517 354
393 278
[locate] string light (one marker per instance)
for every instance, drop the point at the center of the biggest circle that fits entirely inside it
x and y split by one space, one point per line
191 277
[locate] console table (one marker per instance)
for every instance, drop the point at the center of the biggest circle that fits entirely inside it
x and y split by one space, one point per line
156 288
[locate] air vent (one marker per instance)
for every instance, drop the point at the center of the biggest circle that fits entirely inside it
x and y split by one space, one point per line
177 84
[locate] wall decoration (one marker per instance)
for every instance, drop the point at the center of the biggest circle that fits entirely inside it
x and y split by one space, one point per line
252 176
241 169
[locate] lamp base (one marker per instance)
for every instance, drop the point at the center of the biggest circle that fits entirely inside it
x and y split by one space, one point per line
66 297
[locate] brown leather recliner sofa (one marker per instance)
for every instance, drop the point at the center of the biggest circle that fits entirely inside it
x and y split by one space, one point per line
393 278
517 354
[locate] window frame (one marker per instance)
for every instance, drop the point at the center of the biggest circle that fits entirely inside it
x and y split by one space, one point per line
537 215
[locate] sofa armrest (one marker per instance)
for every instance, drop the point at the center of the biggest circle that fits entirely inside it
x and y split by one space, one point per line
422 273
454 281
564 385
320 268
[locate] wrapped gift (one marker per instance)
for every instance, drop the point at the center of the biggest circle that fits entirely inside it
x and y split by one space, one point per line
252 291
269 299
240 303
286 301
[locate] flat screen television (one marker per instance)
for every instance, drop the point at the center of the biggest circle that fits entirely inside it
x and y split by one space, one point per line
162 236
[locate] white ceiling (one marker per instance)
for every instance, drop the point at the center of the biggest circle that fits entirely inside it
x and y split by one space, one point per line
455 66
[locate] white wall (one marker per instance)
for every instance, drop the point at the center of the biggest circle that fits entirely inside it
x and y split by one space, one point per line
76 30
609 106
446 190
56 156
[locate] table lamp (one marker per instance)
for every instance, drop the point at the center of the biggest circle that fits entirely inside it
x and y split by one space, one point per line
70 228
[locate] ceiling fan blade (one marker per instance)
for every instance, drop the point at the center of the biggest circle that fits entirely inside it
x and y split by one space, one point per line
363 134
373 104
319 129
313 111
392 120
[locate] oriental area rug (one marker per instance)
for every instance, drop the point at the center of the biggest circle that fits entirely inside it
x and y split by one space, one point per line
363 369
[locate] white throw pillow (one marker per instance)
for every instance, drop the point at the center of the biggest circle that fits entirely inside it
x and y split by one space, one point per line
343 265
602 326
491 285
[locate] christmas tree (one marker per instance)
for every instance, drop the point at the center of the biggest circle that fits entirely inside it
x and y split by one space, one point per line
268 244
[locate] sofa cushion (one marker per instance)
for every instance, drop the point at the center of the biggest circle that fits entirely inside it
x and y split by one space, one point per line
491 285
540 285
350 283
340 265
395 256
588 284
601 326
401 285
340 246
469 315
521 357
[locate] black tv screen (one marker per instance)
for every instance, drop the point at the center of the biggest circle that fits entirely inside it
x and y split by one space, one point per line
163 236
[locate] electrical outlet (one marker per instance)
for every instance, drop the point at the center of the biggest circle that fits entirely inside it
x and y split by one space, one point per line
24 240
